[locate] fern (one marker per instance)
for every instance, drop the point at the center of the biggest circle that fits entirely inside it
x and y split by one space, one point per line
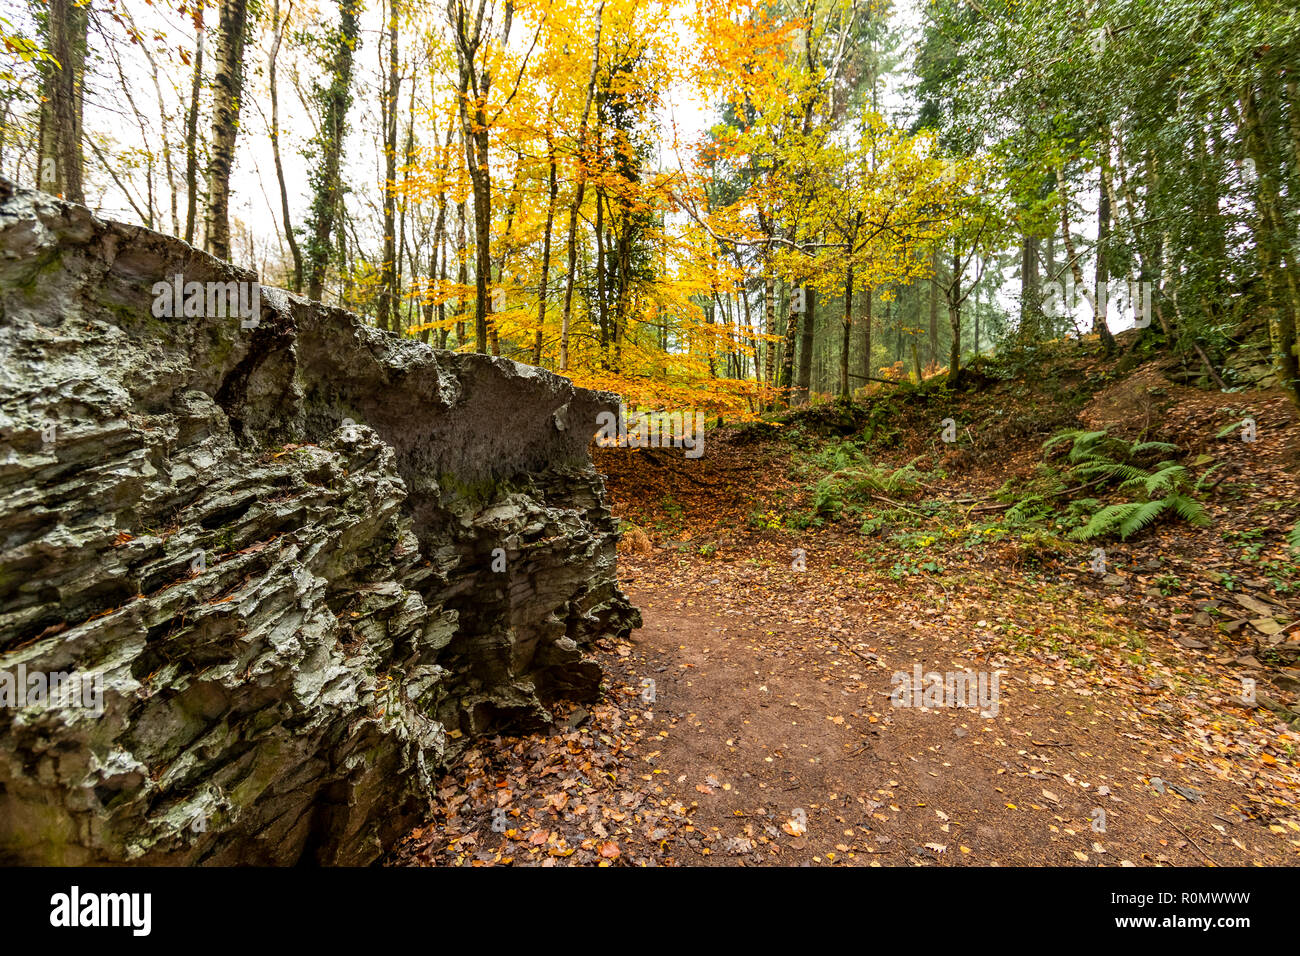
1190 510
1082 440
1165 480
1106 521
1020 510
1227 430
1145 447
1110 469
1144 515
1200 482
1099 458
1293 539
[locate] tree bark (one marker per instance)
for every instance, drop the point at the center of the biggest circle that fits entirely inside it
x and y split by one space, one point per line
847 332
192 129
1273 245
579 189
934 308
388 318
228 88
327 180
806 346
294 251
60 165
954 319
1101 302
551 190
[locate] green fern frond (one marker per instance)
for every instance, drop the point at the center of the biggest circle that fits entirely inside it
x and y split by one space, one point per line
1166 479
1200 482
1293 539
1143 447
1017 511
1111 469
1086 445
1227 430
1146 513
1069 435
1190 510
1105 521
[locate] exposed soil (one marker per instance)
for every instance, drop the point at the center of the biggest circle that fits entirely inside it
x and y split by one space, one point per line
751 720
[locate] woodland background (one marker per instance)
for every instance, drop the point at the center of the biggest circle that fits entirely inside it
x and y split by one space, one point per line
643 195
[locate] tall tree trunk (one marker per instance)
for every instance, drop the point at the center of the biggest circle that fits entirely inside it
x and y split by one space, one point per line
437 252
806 346
328 181
503 253
192 129
787 356
60 165
866 336
1067 240
388 117
228 88
1273 245
551 190
848 331
954 318
769 328
1029 303
602 320
579 189
462 273
934 307
294 251
743 294
1101 303
475 87
408 161
618 322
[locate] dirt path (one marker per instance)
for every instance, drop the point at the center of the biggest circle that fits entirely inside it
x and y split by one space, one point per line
760 689
769 736
752 719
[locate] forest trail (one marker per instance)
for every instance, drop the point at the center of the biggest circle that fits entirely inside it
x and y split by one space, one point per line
768 736
771 739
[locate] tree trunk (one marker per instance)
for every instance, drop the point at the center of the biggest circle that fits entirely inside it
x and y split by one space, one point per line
503 253
954 320
847 332
1273 245
388 117
806 346
787 356
602 320
462 274
327 180
294 251
192 129
1029 303
1076 270
934 308
59 169
579 189
551 190
1101 303
227 91
769 328
866 336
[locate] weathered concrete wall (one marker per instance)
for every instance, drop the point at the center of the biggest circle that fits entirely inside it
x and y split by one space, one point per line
345 634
